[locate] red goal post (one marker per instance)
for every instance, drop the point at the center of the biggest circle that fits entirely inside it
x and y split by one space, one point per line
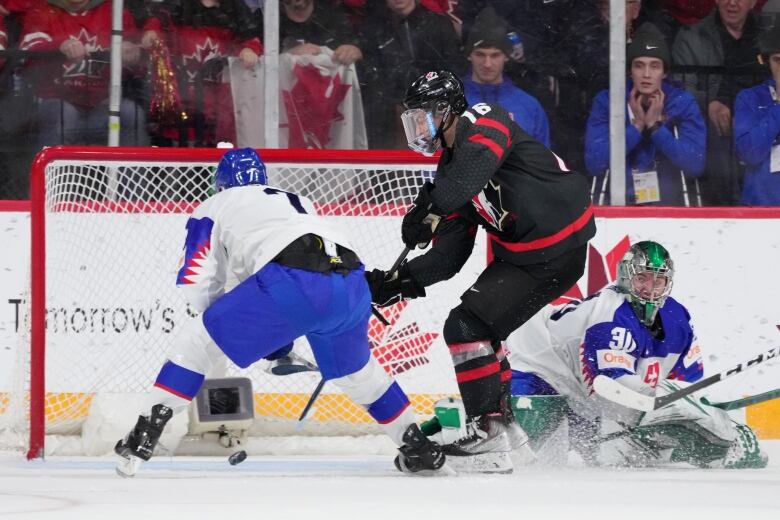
107 226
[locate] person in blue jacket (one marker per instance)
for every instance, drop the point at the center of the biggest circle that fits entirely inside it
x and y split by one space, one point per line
665 131
488 50
757 130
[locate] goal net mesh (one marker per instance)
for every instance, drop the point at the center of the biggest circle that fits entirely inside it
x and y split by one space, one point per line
114 236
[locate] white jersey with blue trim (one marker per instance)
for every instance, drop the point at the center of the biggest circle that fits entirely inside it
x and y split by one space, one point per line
569 346
238 231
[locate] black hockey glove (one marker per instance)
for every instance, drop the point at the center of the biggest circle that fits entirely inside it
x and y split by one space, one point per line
421 221
401 286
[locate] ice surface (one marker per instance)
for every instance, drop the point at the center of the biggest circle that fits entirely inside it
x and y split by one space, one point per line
352 488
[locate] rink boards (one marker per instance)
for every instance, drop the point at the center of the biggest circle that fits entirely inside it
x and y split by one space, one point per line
725 262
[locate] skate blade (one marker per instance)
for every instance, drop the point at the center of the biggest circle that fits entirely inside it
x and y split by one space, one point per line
523 456
127 467
445 471
491 462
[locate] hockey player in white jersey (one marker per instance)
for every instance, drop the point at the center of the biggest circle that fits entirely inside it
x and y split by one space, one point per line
298 276
636 333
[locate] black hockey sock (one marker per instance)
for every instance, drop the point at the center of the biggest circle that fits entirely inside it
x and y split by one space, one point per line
479 378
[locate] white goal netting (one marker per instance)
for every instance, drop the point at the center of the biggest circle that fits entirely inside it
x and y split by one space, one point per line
114 230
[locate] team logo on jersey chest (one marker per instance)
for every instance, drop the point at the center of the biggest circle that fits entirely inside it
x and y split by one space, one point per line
488 205
87 67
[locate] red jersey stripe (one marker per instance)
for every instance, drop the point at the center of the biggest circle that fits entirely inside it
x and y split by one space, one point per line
540 243
492 123
506 375
476 373
172 391
494 146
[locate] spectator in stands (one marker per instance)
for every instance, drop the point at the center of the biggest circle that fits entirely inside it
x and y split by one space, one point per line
757 129
540 24
727 37
590 46
488 50
537 30
682 13
403 40
306 25
201 34
73 90
585 49
665 131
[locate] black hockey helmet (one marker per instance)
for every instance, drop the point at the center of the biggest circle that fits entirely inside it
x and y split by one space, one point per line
434 88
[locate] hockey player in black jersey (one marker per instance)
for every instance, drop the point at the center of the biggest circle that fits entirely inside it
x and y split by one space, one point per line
538 216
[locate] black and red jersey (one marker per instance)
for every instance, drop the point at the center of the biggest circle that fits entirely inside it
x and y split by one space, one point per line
497 176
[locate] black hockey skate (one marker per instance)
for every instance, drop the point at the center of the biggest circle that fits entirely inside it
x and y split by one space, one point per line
418 454
139 444
486 448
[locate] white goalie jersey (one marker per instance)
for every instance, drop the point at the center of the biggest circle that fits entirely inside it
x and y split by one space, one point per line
240 230
568 346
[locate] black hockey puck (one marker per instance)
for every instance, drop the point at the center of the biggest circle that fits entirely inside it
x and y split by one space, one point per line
237 458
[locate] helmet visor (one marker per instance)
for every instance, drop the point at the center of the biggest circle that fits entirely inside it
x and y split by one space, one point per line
420 128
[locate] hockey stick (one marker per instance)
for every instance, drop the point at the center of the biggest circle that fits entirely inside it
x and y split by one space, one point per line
389 274
618 393
397 263
314 395
746 401
378 315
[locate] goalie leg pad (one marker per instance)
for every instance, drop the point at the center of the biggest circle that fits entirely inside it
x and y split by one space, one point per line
703 436
745 452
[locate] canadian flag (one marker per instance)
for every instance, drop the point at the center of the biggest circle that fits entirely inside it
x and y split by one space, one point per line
319 107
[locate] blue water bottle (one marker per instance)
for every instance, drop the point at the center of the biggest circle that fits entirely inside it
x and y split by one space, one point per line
518 53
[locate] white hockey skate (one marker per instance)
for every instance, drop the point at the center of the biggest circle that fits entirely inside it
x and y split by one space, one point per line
127 465
486 448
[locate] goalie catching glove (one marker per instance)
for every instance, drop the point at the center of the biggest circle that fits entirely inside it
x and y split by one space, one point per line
420 222
388 291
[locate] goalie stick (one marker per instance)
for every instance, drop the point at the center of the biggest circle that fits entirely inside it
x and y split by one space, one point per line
745 401
616 392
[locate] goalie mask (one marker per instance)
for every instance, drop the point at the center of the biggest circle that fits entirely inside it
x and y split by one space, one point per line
238 168
430 100
645 274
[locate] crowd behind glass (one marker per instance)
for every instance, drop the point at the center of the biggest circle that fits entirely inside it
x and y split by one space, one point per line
702 121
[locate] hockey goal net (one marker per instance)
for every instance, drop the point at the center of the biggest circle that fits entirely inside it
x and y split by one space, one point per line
102 308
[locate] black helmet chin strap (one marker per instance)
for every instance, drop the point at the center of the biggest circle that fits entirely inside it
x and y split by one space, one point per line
440 131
